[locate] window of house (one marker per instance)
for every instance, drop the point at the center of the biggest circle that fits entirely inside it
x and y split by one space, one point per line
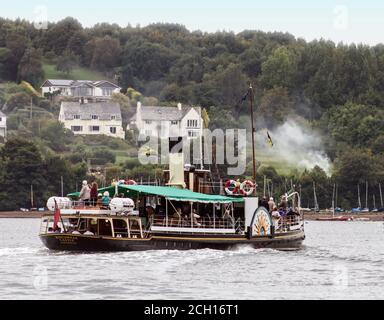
113 130
95 117
192 123
192 133
113 117
107 92
148 122
94 128
175 122
77 128
76 117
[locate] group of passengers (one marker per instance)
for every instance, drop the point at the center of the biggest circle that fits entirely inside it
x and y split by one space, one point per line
277 212
90 197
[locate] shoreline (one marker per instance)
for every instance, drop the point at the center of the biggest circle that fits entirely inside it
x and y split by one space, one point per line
308 216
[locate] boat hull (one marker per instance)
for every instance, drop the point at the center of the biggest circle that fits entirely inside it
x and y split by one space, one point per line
68 242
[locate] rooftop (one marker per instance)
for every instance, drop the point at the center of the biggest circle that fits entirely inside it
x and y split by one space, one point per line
104 110
70 83
157 113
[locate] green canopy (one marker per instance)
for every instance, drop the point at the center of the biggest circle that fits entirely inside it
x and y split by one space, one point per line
169 193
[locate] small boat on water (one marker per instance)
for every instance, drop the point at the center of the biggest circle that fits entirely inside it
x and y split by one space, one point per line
339 218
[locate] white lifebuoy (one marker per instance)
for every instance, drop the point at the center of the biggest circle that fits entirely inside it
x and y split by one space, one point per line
247 187
231 187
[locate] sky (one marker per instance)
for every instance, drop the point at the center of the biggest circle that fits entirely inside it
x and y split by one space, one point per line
338 20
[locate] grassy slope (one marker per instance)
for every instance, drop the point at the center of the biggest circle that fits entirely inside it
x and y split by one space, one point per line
77 73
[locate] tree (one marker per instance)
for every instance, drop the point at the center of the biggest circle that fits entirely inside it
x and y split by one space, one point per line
56 135
30 67
280 69
106 53
275 106
66 63
23 167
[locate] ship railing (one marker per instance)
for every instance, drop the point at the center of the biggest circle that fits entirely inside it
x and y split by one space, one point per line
287 223
201 223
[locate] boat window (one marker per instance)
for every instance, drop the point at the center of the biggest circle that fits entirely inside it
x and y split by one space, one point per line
105 227
120 228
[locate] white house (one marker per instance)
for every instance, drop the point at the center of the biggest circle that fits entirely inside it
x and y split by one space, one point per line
164 122
3 125
80 88
92 118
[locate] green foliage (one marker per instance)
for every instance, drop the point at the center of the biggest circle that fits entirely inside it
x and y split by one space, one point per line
102 156
30 67
280 69
66 63
23 166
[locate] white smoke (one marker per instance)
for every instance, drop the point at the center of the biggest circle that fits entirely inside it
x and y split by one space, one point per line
295 144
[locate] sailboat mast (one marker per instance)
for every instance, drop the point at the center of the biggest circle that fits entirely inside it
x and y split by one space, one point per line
250 94
314 196
381 195
366 194
358 194
333 199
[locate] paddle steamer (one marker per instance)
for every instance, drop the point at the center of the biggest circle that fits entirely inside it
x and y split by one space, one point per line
183 214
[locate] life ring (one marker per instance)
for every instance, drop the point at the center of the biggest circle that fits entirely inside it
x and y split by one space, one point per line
130 182
231 187
247 187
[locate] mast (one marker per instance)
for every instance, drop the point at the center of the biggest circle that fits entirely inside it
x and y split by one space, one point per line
62 187
374 202
366 194
381 195
32 197
358 194
250 94
333 199
265 179
315 197
336 196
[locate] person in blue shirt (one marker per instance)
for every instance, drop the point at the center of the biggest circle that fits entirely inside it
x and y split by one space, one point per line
105 200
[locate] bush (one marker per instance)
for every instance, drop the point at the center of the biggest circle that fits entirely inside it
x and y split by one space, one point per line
102 156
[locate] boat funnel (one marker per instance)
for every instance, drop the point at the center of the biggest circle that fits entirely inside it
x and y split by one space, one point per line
176 163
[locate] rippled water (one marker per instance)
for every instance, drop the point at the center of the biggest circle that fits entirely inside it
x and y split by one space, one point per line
340 260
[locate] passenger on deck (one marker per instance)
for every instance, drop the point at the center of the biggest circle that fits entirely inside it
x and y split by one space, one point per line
275 217
195 217
85 193
105 200
271 204
284 203
99 202
94 194
264 203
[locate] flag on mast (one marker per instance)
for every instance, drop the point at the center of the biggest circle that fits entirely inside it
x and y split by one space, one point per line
56 216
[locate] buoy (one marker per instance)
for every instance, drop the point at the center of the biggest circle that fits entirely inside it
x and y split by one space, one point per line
247 187
231 187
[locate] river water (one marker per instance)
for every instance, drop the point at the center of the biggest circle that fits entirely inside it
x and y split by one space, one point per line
339 260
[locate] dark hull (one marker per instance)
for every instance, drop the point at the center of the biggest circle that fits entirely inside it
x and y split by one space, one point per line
67 242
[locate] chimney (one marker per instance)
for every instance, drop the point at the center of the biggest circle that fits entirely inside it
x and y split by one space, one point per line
179 106
176 163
